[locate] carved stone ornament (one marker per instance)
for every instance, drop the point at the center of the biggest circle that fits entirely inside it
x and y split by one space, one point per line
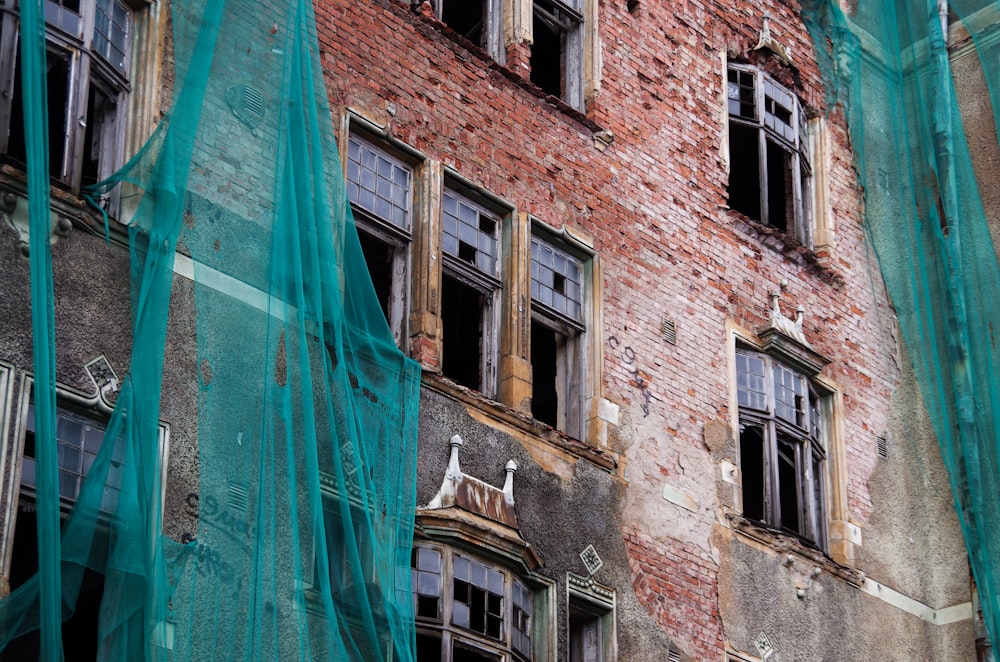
784 339
770 43
468 512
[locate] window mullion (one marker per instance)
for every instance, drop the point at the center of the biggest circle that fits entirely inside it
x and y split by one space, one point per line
772 491
8 48
446 645
761 111
798 210
76 112
762 173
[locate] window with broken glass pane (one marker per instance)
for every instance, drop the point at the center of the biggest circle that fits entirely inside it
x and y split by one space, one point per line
557 326
782 447
470 288
769 174
380 188
469 610
89 46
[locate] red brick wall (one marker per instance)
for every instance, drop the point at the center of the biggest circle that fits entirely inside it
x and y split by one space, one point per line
678 584
655 204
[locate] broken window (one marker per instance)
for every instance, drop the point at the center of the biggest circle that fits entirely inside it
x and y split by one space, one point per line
470 285
557 49
557 327
468 610
769 175
479 21
782 451
87 84
79 438
380 188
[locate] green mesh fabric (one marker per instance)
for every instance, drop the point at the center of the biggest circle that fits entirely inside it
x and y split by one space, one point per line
306 412
889 65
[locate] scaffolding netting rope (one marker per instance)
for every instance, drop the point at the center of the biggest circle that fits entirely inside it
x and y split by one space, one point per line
891 66
306 409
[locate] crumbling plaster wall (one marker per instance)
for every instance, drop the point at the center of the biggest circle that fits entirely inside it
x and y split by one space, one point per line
563 504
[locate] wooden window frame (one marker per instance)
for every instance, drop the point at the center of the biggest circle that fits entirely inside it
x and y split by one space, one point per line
450 634
397 239
87 69
810 445
796 146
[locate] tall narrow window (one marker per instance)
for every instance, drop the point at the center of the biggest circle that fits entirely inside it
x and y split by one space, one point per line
78 440
591 620
380 188
782 450
88 80
557 49
769 175
557 327
470 285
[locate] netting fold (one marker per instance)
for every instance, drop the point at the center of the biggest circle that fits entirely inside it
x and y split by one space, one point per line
888 63
306 411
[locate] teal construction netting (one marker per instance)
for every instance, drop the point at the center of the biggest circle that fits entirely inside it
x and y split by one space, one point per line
306 412
889 64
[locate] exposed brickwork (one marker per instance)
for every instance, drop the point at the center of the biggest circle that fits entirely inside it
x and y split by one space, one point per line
679 587
654 202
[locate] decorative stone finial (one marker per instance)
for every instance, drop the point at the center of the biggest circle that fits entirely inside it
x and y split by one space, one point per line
784 338
772 44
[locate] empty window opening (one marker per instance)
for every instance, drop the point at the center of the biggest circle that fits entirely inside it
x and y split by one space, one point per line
428 648
546 52
780 203
788 484
752 471
379 259
462 311
465 653
467 252
544 374
744 174
82 627
465 18
556 49
57 88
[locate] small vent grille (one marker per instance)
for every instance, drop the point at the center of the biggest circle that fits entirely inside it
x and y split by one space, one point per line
673 656
238 497
883 180
669 330
883 446
247 103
